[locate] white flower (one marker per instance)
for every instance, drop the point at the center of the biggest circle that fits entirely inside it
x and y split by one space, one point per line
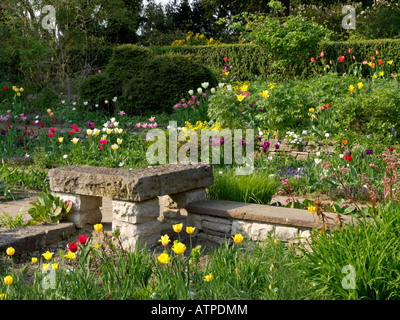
106 101
260 133
212 90
63 101
37 117
341 155
317 161
205 85
200 90
85 103
270 158
96 105
221 85
65 156
114 99
121 164
191 92
74 103
318 153
26 155
327 135
73 109
229 87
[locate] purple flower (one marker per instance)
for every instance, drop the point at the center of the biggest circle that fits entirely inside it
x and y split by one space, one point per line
277 146
261 109
222 141
370 151
3 132
259 138
250 105
90 124
362 156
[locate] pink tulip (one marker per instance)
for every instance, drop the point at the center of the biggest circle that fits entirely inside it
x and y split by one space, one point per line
144 125
138 125
155 125
151 119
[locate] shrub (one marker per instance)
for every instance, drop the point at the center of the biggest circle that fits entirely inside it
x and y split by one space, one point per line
162 80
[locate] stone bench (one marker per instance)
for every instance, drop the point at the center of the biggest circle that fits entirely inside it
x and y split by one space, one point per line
218 220
139 198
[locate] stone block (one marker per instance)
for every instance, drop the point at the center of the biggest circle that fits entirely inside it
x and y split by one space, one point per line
80 202
260 231
134 234
286 233
224 228
80 219
136 212
242 227
182 199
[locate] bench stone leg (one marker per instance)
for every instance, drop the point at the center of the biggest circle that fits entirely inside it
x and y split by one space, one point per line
137 222
173 207
85 209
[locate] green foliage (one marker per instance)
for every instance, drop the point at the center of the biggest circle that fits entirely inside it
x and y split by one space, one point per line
48 208
371 248
162 80
253 188
10 221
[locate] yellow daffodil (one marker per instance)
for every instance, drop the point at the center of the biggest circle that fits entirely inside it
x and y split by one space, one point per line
164 240
10 251
311 209
178 247
237 238
209 277
98 227
164 257
48 255
351 88
190 230
8 280
177 227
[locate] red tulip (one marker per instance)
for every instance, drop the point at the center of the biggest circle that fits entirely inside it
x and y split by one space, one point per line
391 149
341 58
5 88
52 130
73 247
82 238
380 62
377 52
322 54
225 59
50 134
350 51
312 60
41 124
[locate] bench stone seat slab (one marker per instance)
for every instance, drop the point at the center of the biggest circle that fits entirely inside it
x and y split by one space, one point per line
130 185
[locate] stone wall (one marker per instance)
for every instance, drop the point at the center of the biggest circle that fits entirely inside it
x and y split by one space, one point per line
218 220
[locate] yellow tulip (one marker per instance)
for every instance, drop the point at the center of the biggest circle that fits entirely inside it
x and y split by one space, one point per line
61 139
240 97
390 62
54 266
178 247
264 94
119 141
98 227
48 255
351 88
8 280
237 238
109 131
75 140
208 277
10 251
34 260
164 257
360 85
244 88
164 240
311 109
21 89
18 94
114 146
190 230
374 76
177 227
381 73
70 255
96 132
312 209
45 266
89 132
